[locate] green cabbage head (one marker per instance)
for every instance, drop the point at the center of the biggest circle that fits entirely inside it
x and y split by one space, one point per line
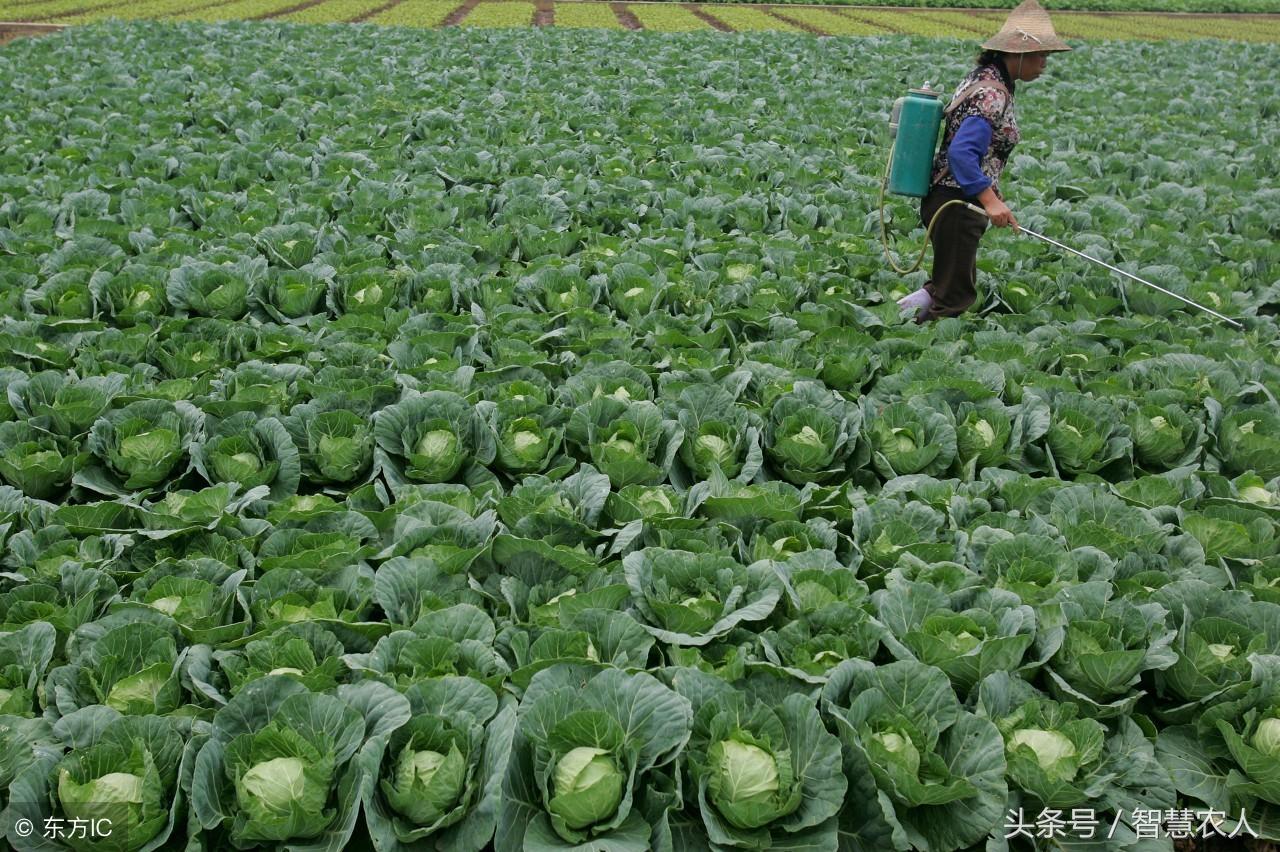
282 783
143 442
587 787
430 773
748 783
1266 738
127 775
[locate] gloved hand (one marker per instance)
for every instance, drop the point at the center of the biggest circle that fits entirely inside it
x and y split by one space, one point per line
919 299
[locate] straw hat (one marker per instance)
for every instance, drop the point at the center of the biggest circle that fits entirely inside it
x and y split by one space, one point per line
1028 30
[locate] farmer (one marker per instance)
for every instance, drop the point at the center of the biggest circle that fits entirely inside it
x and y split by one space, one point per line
980 132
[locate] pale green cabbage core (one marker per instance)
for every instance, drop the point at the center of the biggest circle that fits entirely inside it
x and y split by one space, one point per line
276 783
986 432
1050 747
1222 652
746 771
438 443
1266 738
809 437
587 787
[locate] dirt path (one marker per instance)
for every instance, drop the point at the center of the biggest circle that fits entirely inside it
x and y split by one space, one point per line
776 12
8 32
455 17
702 13
280 13
625 17
378 11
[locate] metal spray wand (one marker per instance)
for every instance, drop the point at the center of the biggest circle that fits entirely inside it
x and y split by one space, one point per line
1236 323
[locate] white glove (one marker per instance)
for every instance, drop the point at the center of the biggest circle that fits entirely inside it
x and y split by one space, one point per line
918 299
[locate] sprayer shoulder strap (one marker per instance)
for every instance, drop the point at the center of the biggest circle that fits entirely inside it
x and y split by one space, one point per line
976 86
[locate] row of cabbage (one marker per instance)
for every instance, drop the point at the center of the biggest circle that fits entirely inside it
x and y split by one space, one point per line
282 428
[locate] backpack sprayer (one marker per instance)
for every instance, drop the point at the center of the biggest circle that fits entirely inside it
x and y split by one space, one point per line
914 126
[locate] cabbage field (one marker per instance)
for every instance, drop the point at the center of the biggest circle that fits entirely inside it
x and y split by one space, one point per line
462 440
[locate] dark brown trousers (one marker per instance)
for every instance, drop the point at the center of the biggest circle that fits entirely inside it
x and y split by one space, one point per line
953 286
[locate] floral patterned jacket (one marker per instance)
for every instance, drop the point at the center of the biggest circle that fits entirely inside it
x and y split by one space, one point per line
987 93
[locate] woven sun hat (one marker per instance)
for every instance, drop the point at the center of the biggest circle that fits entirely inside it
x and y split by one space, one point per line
1028 30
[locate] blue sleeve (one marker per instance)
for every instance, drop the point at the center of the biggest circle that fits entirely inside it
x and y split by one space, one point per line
965 153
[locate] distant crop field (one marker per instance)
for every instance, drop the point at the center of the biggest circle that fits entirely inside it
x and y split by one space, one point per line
835 20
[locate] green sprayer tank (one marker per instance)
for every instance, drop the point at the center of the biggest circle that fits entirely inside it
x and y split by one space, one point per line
914 125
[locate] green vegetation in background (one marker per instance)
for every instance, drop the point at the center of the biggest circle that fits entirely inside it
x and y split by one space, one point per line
597 15
416 13
667 19
502 13
836 20
743 19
